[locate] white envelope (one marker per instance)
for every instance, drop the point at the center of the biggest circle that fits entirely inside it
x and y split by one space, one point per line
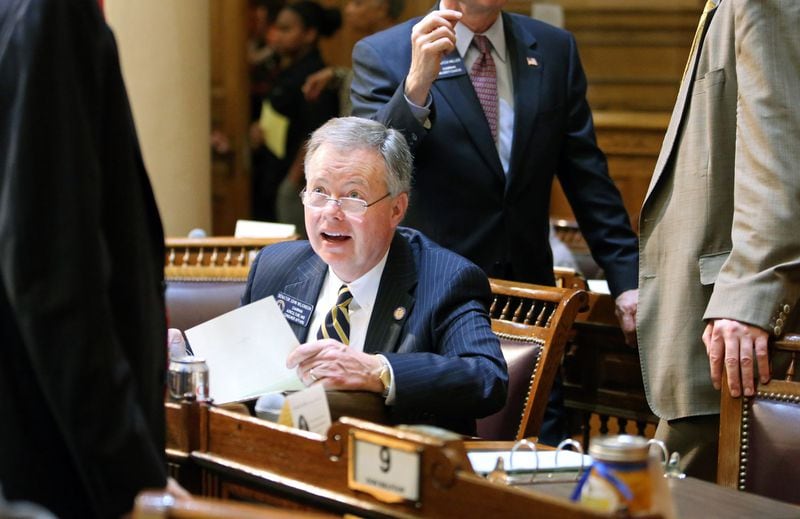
246 351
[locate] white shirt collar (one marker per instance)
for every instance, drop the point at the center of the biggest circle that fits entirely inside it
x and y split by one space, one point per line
495 33
365 288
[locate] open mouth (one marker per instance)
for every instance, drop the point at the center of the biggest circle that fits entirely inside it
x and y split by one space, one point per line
334 237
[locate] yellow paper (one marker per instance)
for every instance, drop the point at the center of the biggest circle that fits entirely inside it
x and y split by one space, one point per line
285 418
275 127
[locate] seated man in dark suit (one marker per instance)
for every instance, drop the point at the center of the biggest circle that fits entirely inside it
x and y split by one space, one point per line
382 309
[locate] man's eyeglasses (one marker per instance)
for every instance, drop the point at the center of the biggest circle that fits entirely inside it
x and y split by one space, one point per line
348 205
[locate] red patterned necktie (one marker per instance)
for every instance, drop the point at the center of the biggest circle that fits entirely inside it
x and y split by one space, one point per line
484 79
337 321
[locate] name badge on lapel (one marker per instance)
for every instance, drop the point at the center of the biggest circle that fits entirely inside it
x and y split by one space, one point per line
451 66
294 310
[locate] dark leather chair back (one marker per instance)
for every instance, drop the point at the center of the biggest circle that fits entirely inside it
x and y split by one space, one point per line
206 277
759 448
190 303
522 359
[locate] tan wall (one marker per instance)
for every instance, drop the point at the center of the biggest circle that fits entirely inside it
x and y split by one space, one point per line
164 50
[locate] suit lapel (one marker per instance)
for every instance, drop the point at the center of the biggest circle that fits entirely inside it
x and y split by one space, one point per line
526 73
394 300
309 275
667 147
458 92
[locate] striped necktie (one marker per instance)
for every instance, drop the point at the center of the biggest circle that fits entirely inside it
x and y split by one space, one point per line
337 321
484 79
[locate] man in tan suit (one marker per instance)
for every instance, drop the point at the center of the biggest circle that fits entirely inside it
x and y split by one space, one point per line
719 239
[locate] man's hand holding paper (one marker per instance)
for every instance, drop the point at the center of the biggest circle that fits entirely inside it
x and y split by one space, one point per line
336 366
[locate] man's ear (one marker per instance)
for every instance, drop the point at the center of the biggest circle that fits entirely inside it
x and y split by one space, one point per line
399 208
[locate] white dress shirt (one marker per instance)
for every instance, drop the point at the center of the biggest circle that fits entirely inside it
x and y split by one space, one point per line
364 291
505 85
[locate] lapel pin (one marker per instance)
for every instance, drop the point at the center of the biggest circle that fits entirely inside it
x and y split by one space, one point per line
533 62
399 313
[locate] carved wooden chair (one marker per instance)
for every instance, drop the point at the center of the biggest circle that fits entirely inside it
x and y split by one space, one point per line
569 278
533 323
205 277
214 257
759 437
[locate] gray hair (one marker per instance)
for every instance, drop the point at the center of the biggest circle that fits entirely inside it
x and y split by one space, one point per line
348 133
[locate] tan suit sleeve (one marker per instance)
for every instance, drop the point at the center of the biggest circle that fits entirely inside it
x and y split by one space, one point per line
762 272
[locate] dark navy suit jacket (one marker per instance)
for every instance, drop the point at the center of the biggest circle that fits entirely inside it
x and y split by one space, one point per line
462 199
447 364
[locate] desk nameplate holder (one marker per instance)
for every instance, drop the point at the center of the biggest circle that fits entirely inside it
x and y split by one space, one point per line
387 468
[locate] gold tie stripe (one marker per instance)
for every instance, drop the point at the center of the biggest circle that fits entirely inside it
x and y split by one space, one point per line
337 321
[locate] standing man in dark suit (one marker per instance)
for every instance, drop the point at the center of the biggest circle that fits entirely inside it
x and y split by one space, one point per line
82 328
379 308
482 182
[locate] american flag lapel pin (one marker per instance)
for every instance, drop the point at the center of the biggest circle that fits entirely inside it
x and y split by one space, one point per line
533 62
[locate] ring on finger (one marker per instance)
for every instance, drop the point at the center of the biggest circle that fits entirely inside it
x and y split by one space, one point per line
312 375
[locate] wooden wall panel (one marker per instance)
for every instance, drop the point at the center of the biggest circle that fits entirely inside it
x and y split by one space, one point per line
633 51
230 172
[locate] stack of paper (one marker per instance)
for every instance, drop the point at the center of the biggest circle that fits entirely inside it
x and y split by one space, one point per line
246 351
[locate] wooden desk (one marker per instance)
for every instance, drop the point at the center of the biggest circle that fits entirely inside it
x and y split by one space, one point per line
217 453
693 498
